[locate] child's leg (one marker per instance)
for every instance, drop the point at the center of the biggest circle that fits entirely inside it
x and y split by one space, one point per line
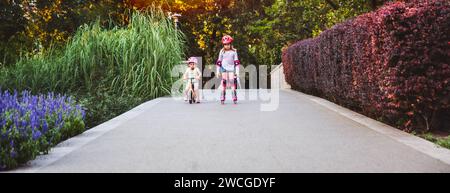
196 95
224 85
196 92
186 91
233 86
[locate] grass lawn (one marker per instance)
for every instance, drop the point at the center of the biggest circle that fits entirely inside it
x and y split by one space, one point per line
441 138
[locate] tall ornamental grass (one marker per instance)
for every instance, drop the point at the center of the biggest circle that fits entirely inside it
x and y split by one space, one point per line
135 60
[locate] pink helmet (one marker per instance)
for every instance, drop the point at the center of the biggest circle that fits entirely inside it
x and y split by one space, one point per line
227 39
192 60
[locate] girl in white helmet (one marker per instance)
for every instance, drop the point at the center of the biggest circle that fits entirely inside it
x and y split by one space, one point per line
228 67
192 74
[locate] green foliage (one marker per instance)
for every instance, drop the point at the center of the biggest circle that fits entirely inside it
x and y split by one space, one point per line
262 28
12 20
429 137
284 22
27 26
12 23
442 141
135 60
105 105
110 70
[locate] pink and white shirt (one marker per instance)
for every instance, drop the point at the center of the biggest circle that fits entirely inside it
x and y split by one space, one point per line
228 61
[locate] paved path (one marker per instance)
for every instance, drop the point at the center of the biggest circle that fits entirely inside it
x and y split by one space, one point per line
302 135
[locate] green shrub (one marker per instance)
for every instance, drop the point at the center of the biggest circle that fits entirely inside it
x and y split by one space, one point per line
135 60
103 106
110 70
444 142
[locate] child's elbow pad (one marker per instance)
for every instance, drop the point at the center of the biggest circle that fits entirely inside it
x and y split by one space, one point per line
237 62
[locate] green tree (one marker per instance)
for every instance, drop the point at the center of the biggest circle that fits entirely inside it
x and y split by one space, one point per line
29 26
284 22
12 23
261 28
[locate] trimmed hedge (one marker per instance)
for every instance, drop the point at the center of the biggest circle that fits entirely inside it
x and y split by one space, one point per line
391 64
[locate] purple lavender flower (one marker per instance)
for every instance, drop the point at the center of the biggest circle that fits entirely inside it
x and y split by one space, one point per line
36 134
13 154
44 126
29 117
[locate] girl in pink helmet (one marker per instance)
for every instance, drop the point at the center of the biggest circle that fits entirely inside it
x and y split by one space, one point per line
192 74
228 67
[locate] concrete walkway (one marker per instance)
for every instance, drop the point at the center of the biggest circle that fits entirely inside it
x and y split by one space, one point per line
304 134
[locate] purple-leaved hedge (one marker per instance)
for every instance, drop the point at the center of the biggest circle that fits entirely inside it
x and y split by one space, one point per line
391 64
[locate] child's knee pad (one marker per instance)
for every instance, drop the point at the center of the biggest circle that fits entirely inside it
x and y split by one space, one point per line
224 83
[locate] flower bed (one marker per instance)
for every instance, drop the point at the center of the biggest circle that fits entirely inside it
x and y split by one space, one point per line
31 125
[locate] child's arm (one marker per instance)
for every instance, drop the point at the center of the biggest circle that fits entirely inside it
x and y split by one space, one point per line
199 73
237 63
219 62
